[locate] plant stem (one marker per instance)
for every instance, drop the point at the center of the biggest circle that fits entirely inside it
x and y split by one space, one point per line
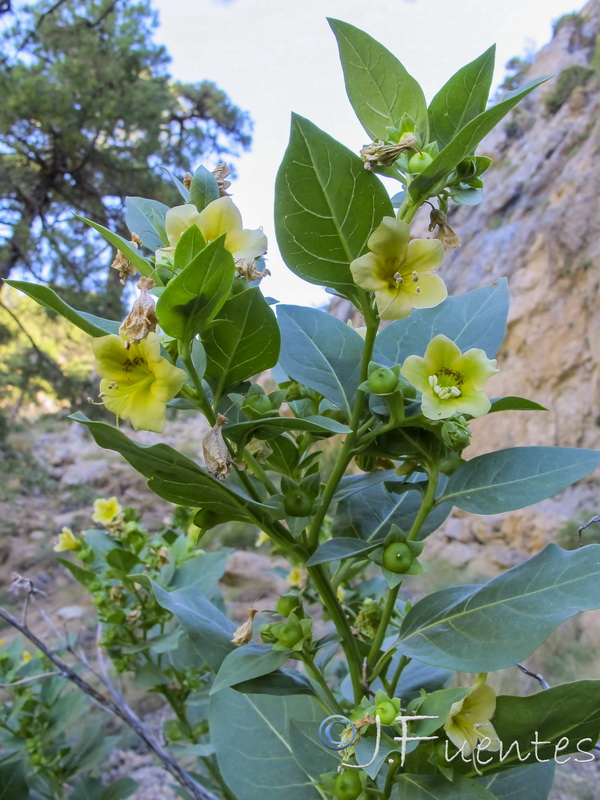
318 677
345 455
426 506
404 660
259 472
336 612
185 354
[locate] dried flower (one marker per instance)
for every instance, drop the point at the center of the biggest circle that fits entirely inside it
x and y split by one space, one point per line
187 180
122 264
246 268
220 173
216 455
446 235
244 633
141 320
384 155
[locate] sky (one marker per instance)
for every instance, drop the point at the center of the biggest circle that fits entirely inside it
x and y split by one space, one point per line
273 57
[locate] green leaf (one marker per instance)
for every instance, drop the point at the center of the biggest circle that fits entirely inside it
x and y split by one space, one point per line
209 630
434 787
257 726
147 219
248 661
122 560
195 295
370 513
321 352
121 789
379 88
281 682
309 754
13 784
474 319
326 207
270 427
339 548
243 340
451 628
515 404
416 676
517 477
172 475
462 98
433 178
533 782
203 571
203 188
88 323
127 248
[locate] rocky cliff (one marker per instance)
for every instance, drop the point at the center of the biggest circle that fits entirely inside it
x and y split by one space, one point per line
539 225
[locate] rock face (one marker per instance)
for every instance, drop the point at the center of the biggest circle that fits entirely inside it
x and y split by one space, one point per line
539 225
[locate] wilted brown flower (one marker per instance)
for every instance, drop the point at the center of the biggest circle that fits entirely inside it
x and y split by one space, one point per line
216 455
220 173
246 268
244 633
141 320
384 155
447 236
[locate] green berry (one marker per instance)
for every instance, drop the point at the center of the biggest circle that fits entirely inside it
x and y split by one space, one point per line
382 381
348 785
290 634
418 162
397 557
287 603
386 711
298 503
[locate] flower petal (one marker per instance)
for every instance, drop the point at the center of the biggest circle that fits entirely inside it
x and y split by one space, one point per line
394 303
169 380
367 273
246 243
389 239
416 372
178 220
442 352
219 217
423 255
112 358
433 291
477 404
476 368
434 408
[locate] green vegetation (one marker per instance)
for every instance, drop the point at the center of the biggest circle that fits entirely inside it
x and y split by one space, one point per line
568 80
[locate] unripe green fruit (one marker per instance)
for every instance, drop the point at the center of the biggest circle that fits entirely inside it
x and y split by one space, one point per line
298 503
286 604
267 634
382 381
397 557
348 785
387 712
256 405
418 162
290 634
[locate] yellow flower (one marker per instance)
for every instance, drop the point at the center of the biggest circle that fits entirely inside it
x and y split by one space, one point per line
138 382
398 270
66 541
451 382
26 657
296 577
219 217
341 593
469 719
261 539
106 509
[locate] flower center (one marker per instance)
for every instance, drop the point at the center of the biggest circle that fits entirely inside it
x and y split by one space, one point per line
400 278
445 383
131 363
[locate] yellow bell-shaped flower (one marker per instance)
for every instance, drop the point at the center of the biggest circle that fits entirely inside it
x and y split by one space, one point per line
138 382
469 719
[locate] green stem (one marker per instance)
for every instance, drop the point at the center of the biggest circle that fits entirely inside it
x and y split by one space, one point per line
259 472
318 677
426 506
345 455
404 660
185 354
336 612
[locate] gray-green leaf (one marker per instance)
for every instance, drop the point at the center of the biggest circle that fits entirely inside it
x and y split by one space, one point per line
495 625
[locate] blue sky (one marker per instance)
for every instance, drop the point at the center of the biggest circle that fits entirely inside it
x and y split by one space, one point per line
273 57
